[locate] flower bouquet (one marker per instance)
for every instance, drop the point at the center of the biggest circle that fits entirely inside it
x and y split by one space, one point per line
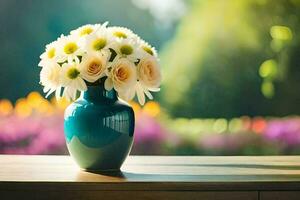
99 64
95 53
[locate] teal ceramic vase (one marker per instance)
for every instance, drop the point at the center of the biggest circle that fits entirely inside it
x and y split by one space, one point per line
99 130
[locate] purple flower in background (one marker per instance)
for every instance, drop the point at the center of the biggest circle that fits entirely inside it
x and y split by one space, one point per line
148 129
150 137
284 130
226 141
35 134
39 130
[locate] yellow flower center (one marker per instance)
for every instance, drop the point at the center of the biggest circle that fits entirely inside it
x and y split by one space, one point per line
73 73
86 31
51 53
70 47
148 50
120 34
99 44
126 49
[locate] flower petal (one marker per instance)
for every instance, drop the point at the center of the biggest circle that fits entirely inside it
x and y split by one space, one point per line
108 84
81 85
154 89
140 94
46 89
70 59
130 94
148 94
41 63
50 92
57 93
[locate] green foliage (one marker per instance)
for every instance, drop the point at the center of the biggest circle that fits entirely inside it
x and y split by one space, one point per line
233 58
28 25
281 33
268 69
267 88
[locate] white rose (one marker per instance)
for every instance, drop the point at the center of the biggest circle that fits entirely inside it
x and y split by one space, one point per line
149 73
122 76
93 66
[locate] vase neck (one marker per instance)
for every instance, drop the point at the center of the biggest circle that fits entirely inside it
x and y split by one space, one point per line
98 93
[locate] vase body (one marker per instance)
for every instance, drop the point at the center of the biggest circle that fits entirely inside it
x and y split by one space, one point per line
99 130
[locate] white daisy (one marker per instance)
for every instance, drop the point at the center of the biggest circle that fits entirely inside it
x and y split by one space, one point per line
122 33
69 49
147 49
99 41
50 78
141 91
49 55
72 80
93 66
86 30
127 48
94 51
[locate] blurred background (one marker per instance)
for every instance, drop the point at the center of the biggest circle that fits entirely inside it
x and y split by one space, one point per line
231 74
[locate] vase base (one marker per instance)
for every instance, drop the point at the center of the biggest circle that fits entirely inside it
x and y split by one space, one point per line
117 173
101 170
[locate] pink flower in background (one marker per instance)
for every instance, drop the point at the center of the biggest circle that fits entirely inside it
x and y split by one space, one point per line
227 142
148 136
35 126
36 134
148 129
284 130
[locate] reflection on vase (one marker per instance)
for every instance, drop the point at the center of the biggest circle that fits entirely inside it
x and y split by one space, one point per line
99 130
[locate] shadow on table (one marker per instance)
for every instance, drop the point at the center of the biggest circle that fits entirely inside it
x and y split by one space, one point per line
194 176
254 166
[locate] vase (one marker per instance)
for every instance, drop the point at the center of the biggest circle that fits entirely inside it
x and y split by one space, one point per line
99 130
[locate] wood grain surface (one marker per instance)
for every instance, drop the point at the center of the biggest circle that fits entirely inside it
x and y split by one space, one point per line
151 177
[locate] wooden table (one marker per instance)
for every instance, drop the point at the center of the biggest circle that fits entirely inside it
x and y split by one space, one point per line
153 177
